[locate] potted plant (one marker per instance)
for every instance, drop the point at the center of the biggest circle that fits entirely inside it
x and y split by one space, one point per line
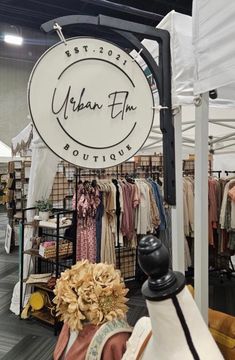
44 207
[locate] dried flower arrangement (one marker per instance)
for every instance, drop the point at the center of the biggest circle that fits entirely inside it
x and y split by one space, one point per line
90 292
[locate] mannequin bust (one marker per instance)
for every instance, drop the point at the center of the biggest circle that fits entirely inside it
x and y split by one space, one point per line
176 329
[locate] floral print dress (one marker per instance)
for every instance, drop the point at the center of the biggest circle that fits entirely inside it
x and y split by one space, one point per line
87 202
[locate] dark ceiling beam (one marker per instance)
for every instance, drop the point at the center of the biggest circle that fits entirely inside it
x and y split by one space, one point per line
126 9
33 13
54 7
9 10
175 5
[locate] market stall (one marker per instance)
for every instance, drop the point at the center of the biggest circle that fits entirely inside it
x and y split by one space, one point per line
219 138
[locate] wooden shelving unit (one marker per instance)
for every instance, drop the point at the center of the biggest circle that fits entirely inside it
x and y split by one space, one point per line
44 315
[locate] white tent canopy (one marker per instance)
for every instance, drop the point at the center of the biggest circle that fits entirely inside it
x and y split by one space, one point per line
222 109
214 45
5 153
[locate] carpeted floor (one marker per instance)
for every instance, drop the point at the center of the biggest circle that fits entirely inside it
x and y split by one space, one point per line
19 339
29 339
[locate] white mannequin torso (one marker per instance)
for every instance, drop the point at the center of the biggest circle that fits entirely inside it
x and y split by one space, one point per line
168 340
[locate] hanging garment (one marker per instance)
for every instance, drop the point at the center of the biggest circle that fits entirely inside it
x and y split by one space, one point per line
227 217
109 225
87 202
188 203
213 209
155 218
143 213
159 202
127 225
99 215
185 209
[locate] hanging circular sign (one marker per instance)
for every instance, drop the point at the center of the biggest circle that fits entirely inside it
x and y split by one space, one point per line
90 102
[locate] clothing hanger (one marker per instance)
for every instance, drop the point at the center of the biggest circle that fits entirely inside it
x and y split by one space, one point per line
129 179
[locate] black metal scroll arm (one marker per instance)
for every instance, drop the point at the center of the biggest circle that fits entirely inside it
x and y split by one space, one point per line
161 73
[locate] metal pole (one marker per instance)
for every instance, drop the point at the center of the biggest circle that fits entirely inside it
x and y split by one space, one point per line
57 243
222 138
77 178
22 262
201 206
177 210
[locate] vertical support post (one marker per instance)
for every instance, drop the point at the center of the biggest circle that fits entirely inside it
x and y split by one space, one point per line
57 244
75 214
178 262
21 251
201 206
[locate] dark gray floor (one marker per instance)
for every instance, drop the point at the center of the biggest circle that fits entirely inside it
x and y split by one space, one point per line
19 339
29 339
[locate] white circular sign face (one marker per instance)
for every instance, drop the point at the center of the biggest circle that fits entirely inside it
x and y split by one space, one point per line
90 102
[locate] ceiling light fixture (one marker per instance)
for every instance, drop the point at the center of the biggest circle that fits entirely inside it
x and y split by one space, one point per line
13 39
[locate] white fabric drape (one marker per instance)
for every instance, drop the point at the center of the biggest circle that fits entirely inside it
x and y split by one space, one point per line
214 44
42 173
183 60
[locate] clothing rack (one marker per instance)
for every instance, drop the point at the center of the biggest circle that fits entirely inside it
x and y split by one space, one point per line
229 272
126 256
229 172
218 172
211 172
136 172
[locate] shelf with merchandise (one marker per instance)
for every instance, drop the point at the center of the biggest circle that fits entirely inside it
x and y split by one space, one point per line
35 253
52 241
44 315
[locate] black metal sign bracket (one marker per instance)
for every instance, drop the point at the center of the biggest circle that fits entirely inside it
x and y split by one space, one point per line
161 72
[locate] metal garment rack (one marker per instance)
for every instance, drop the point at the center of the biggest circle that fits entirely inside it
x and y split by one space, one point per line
210 172
130 32
218 172
231 271
229 172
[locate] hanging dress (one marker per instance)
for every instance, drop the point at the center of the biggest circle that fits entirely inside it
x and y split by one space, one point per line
87 202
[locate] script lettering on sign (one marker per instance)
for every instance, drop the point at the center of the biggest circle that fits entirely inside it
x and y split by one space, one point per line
118 103
96 107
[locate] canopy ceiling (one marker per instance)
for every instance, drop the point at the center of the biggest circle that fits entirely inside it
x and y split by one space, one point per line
222 109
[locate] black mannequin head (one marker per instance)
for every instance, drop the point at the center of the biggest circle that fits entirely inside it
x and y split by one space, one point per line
153 258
